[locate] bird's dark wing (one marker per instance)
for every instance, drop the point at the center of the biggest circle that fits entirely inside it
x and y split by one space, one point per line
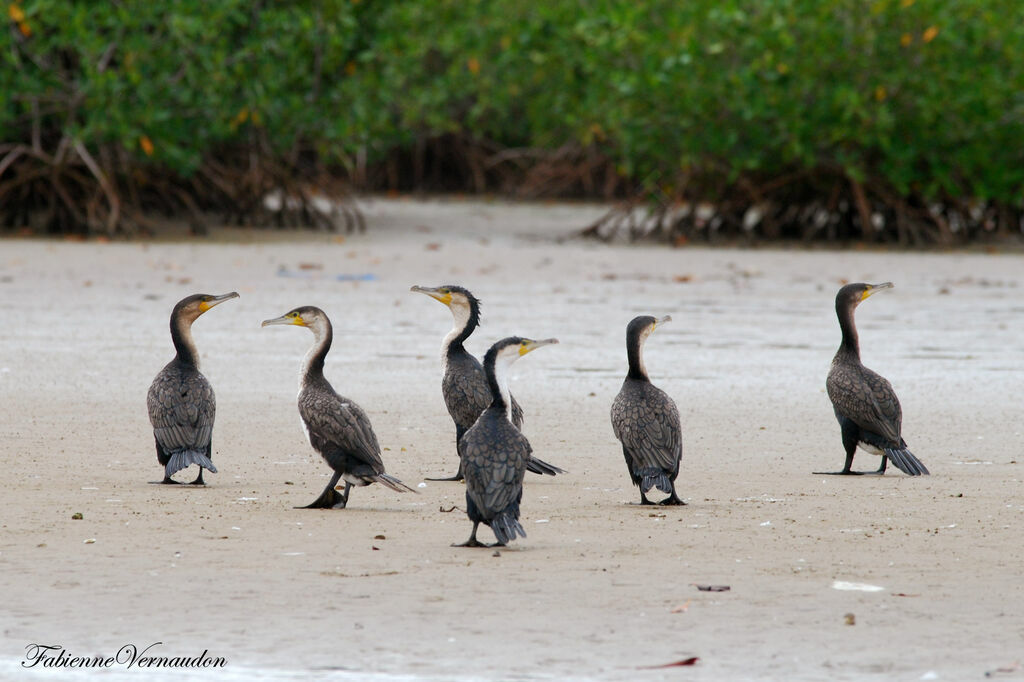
646 421
182 408
337 424
465 390
494 461
866 398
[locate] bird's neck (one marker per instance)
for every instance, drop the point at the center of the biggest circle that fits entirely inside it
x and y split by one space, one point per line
181 336
850 345
497 378
313 363
635 353
465 320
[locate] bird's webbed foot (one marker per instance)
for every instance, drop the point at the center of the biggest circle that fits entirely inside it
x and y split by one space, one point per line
330 499
847 473
672 501
456 477
167 481
472 542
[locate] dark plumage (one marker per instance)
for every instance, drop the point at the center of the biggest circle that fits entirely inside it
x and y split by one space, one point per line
646 421
865 405
337 428
180 400
495 453
464 384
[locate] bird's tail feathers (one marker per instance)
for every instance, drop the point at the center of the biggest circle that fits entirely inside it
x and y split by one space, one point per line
393 483
505 526
654 478
539 466
905 461
184 459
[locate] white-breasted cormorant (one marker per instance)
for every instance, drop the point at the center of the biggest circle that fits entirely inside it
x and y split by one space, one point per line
646 421
180 400
336 427
495 453
463 384
866 407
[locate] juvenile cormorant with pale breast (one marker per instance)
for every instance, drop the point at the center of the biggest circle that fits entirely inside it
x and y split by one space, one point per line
495 453
646 421
865 405
336 427
180 400
464 384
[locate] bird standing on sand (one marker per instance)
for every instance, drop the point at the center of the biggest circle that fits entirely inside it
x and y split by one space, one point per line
337 428
495 453
464 384
180 400
646 421
865 405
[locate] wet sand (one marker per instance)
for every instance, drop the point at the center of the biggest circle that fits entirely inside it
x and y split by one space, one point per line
602 588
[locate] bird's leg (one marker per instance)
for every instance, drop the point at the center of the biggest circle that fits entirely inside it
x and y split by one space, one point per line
199 478
344 495
472 541
881 467
329 498
846 468
459 476
643 498
167 481
672 500
850 435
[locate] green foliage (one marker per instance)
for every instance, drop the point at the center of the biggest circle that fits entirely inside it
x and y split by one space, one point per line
187 75
920 99
928 96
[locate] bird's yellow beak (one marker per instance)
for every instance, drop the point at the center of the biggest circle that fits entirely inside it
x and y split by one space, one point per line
529 345
216 300
443 297
875 288
286 319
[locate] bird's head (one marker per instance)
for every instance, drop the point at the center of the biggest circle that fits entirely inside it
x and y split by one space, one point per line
640 327
305 316
191 307
464 305
851 295
510 349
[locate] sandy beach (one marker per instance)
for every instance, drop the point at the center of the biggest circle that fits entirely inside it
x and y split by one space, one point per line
602 588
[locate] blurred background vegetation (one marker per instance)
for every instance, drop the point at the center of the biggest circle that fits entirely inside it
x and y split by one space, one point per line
878 120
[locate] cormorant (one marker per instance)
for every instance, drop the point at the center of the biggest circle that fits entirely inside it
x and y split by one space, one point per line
180 400
495 453
646 421
464 385
336 427
868 411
